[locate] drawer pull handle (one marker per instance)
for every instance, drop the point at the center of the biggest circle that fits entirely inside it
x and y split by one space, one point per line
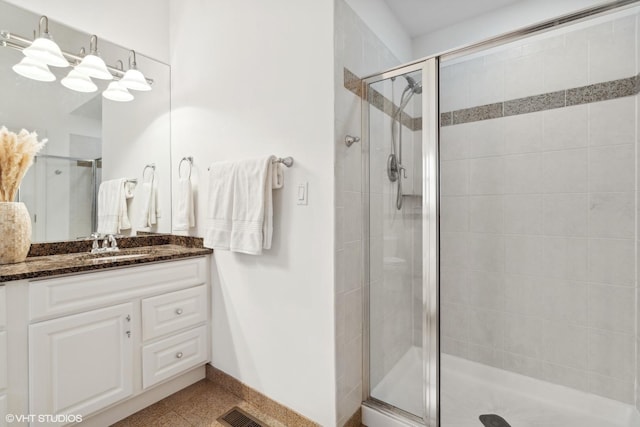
179 355
178 311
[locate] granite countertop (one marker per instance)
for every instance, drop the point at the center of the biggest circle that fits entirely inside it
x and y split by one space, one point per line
52 259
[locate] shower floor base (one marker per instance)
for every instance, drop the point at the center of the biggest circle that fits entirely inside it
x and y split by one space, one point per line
470 389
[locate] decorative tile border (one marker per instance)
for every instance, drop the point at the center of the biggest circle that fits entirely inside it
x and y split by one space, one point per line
547 101
353 83
564 98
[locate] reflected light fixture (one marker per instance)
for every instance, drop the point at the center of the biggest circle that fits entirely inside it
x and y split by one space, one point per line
44 49
34 69
133 78
116 92
78 81
92 65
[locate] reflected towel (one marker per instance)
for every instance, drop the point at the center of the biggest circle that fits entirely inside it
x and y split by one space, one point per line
240 205
149 197
112 207
184 217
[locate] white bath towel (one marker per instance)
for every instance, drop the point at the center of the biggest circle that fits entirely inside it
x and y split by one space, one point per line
240 205
112 207
184 217
148 216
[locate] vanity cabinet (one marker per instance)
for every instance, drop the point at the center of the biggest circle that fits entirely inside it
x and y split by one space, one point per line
98 341
81 363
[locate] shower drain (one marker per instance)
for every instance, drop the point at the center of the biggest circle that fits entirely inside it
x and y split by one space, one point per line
236 417
493 420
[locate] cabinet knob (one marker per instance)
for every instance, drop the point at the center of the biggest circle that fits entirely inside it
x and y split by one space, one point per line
179 355
128 318
128 334
178 311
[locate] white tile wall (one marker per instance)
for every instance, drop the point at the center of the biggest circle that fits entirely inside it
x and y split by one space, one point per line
357 49
391 241
539 216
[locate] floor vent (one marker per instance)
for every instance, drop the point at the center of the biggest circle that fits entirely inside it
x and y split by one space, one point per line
236 417
493 420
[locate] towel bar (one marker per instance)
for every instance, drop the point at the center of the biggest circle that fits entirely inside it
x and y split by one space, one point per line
287 161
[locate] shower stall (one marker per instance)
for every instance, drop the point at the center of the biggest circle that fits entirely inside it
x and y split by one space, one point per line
500 187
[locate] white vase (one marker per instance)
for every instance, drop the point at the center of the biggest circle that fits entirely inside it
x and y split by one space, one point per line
15 232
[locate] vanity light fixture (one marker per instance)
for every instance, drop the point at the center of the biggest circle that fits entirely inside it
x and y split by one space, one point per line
92 65
78 81
34 69
44 48
85 67
133 78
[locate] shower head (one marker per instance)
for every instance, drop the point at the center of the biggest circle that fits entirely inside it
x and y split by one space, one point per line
416 87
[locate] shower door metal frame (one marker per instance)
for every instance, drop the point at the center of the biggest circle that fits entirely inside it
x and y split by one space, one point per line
430 202
430 244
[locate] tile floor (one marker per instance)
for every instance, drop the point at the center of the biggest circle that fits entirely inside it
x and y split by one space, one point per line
198 405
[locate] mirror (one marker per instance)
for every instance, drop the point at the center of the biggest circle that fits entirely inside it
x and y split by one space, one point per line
90 138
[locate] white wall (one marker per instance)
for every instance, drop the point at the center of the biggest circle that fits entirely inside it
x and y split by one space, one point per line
495 23
381 20
130 23
251 79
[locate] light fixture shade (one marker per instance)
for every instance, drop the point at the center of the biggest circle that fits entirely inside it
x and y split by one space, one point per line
34 69
79 82
117 92
47 51
134 79
94 66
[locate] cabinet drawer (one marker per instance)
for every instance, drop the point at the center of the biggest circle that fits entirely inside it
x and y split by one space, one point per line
3 308
173 355
64 295
171 312
3 360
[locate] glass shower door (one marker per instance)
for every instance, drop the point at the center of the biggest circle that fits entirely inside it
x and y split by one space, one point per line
396 281
539 225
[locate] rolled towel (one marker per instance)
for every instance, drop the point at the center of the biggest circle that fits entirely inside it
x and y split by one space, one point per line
184 217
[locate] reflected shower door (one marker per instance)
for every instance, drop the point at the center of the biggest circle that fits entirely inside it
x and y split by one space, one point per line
60 194
396 273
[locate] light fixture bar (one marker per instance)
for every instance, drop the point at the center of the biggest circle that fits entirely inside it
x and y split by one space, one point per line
8 39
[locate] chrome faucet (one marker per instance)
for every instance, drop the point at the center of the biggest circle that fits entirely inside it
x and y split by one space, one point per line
109 243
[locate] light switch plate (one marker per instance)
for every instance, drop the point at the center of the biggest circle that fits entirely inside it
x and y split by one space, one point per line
302 195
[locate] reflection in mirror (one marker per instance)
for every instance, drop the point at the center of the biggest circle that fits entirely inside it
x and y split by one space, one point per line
91 138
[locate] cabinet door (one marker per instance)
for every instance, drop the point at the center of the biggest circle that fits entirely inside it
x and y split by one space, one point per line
82 363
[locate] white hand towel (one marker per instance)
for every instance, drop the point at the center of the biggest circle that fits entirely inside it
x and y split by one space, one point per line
112 207
148 195
240 206
220 206
184 217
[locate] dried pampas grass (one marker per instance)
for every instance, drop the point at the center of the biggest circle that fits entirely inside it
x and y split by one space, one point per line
16 156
